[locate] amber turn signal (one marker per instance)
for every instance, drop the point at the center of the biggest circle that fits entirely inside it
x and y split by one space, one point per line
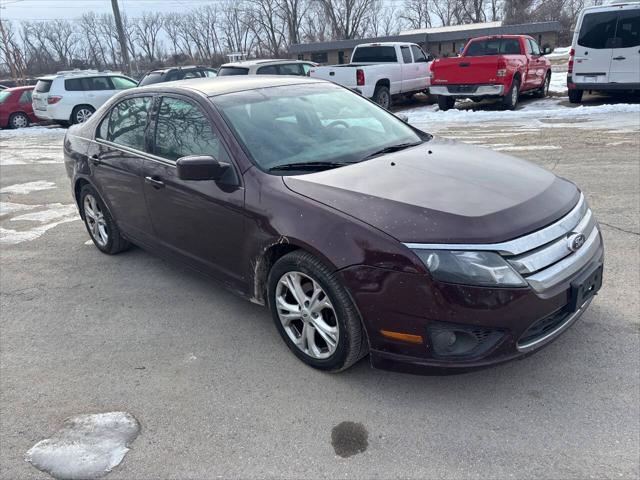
403 337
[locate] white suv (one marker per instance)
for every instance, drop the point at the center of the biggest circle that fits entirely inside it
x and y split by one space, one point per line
267 67
73 96
605 54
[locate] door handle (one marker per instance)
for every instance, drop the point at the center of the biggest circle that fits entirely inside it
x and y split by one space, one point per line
95 159
620 58
154 182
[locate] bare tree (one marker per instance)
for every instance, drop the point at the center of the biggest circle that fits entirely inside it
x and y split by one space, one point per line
147 29
417 14
349 18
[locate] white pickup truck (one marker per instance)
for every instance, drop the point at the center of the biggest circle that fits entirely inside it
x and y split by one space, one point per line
381 70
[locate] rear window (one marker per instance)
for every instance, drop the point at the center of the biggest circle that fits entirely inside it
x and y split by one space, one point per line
374 55
598 30
498 46
153 77
43 86
224 71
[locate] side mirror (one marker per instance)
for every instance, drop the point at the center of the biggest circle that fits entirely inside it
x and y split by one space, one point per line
200 167
547 50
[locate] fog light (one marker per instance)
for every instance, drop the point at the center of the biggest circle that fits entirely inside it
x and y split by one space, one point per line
454 341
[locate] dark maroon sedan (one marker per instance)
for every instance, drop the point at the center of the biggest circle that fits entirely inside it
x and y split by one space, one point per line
361 233
15 107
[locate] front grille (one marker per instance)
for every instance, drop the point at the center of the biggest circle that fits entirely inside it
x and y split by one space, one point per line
543 326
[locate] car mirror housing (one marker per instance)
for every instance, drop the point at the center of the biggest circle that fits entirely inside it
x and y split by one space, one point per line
201 167
546 50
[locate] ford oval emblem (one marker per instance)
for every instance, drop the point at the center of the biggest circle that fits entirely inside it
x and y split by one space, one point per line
575 241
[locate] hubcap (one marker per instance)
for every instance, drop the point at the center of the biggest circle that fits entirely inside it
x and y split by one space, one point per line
307 315
95 220
384 100
20 121
83 115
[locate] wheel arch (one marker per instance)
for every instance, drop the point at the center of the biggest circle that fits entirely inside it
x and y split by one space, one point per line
75 108
383 82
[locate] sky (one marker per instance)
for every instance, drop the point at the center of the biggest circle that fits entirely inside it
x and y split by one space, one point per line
69 9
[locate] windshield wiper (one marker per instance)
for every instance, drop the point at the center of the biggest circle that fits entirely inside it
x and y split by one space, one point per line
391 149
307 166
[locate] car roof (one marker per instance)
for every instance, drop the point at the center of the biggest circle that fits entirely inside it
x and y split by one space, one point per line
82 74
229 84
612 6
489 37
251 63
17 89
185 67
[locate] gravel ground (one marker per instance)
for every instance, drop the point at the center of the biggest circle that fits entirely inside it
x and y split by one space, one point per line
218 394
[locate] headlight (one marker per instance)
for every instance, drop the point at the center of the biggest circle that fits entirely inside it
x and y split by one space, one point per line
470 268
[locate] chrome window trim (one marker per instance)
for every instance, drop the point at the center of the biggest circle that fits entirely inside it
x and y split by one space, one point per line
518 245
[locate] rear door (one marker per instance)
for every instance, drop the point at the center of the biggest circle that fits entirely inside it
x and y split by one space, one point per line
422 71
202 221
625 58
98 90
409 70
116 161
593 50
536 64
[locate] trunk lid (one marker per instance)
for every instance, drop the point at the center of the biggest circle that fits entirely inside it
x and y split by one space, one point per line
444 192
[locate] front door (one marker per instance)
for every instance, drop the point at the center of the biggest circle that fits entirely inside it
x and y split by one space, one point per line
202 221
116 161
625 59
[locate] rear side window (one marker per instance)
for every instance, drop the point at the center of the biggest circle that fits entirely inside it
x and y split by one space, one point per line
291 69
127 123
192 74
98 83
418 54
75 85
224 71
406 55
153 77
43 86
628 31
375 55
182 129
598 30
122 83
499 46
25 97
268 70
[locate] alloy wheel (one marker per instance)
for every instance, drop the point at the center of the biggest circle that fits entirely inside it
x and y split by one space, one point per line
384 99
514 95
307 315
95 220
83 114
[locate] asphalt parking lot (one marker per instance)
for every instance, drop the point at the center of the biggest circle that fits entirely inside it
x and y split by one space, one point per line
218 394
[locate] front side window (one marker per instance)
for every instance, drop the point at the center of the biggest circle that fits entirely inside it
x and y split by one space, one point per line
268 70
598 30
191 74
535 49
122 83
310 123
406 55
418 54
127 122
182 129
291 69
75 85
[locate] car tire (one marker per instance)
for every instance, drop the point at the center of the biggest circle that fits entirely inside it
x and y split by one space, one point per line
102 228
543 91
510 100
382 96
18 120
446 103
305 323
81 113
575 96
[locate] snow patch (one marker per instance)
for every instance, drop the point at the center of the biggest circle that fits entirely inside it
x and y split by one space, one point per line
54 211
86 447
24 188
8 207
527 147
558 83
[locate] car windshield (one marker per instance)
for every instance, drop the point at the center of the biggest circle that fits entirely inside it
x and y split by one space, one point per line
311 125
504 46
4 96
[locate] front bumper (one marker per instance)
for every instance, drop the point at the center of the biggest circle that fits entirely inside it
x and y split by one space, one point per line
467 90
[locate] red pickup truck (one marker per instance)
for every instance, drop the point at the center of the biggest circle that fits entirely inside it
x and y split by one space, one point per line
497 66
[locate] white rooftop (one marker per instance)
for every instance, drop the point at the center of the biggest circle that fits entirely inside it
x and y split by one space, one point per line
453 28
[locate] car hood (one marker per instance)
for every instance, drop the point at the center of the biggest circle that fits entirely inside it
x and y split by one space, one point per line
443 192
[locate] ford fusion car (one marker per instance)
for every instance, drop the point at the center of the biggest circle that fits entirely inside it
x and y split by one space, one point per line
362 234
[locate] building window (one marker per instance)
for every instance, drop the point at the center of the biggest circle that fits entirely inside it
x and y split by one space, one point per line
340 57
320 57
301 56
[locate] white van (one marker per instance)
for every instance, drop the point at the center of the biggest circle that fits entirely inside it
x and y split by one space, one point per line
605 53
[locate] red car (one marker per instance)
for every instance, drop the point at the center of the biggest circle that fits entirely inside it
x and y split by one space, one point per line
498 66
15 107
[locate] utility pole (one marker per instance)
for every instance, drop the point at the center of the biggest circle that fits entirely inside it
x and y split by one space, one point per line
123 41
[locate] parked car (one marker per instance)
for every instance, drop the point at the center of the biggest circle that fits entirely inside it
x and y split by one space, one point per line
3 87
347 222
499 67
605 53
15 107
381 71
177 73
72 96
266 67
